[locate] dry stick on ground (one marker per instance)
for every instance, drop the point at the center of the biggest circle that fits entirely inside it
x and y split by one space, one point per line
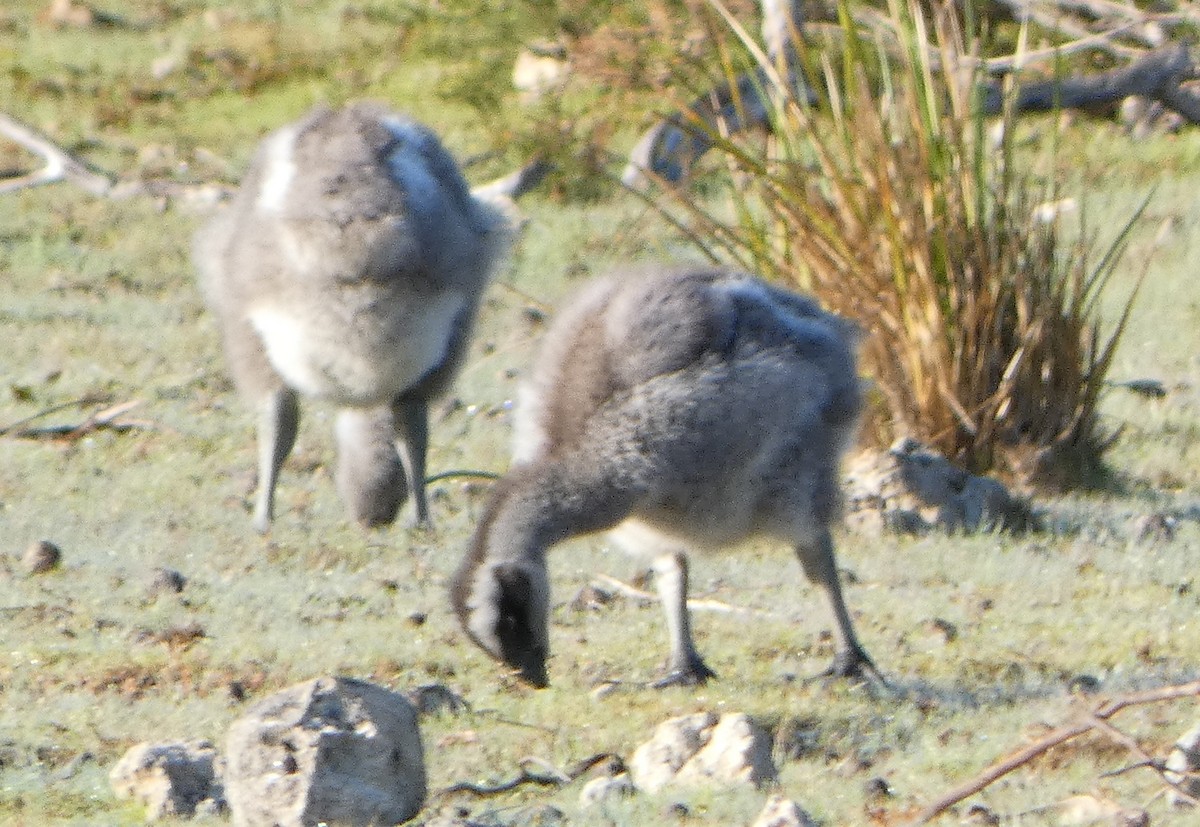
1004 65
60 164
63 166
90 399
1052 19
1086 723
107 419
1145 759
1158 75
552 777
462 473
695 605
672 146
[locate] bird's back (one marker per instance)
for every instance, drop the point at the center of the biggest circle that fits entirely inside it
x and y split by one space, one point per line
626 330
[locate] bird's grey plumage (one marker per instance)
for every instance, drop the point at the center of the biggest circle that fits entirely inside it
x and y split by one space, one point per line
348 268
690 409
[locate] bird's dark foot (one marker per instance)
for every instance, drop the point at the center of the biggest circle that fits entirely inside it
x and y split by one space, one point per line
421 524
694 673
854 664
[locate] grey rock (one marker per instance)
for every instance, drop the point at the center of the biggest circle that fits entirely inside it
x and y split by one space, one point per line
910 489
172 779
332 750
1143 117
656 762
606 787
435 699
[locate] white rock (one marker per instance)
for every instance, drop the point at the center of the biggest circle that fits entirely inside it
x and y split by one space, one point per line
783 812
702 749
536 75
674 742
1185 759
737 752
332 750
171 779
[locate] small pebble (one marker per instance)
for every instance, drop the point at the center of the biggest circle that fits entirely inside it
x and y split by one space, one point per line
604 689
877 788
1084 684
435 699
978 814
1155 528
601 789
41 557
677 809
166 581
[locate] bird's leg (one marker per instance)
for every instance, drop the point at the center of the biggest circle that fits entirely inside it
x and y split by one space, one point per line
686 668
850 659
369 474
412 427
278 421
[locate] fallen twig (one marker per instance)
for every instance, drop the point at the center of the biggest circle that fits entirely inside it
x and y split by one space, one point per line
1145 758
63 166
461 473
60 164
75 403
1086 723
1156 68
1001 65
107 419
550 777
696 605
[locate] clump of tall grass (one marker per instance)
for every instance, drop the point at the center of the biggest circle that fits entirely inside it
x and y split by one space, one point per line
894 202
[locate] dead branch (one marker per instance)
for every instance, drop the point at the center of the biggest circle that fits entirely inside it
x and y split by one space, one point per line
106 419
1003 65
63 166
462 473
90 399
551 776
1086 723
60 164
1052 18
670 148
1156 75
525 777
700 605
1145 759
